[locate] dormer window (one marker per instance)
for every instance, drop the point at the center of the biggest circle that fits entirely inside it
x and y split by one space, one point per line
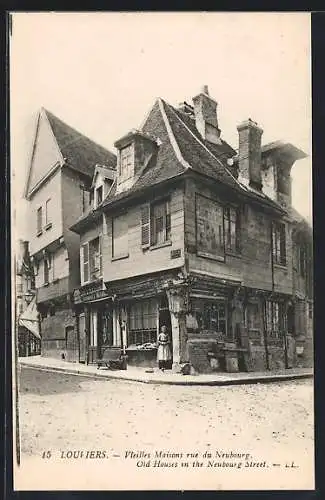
126 162
135 150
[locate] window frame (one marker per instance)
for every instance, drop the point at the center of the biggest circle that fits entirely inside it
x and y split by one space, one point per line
126 162
46 269
253 333
87 264
275 326
48 223
279 247
166 222
231 248
99 189
302 260
39 220
199 308
150 313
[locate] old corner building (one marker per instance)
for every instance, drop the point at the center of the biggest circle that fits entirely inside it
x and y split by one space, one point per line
178 230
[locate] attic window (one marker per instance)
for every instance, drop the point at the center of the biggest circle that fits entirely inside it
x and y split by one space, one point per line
126 162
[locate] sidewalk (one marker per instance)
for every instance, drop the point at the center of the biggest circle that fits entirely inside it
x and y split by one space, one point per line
158 377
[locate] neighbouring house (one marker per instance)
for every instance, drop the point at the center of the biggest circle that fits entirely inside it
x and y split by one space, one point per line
303 296
192 234
61 170
29 339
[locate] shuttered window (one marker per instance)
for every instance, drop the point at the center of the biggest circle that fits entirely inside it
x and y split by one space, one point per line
120 236
155 223
160 223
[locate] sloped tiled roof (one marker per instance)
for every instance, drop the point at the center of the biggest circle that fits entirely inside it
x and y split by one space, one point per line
163 167
196 152
81 153
181 149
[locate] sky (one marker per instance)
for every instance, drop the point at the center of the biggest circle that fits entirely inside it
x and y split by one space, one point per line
101 73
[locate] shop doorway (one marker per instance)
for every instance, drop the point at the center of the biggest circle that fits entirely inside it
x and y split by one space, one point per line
164 319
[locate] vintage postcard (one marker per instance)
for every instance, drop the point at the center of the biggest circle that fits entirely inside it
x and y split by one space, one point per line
162 251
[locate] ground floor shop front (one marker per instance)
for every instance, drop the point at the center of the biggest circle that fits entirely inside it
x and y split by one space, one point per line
212 325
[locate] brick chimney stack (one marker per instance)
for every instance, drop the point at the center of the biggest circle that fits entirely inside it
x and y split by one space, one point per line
249 154
206 119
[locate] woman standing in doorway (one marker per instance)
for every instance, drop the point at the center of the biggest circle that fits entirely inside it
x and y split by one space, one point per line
164 355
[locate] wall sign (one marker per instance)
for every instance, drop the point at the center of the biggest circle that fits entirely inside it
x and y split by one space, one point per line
209 228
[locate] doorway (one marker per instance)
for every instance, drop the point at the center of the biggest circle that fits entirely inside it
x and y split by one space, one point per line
82 339
164 319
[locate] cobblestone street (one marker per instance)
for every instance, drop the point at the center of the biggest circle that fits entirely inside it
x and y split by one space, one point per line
65 412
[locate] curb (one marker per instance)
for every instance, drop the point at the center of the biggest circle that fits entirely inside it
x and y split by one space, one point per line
243 381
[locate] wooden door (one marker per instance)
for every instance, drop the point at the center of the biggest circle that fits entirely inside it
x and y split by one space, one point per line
82 339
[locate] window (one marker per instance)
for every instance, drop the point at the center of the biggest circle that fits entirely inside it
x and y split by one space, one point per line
85 263
47 214
143 322
91 260
126 162
278 243
160 223
99 195
209 228
210 315
302 260
155 223
36 266
310 310
275 319
232 229
120 236
95 258
46 270
253 320
39 220
85 198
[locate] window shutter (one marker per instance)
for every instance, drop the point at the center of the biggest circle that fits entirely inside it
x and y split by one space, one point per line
168 221
100 254
85 262
82 278
145 225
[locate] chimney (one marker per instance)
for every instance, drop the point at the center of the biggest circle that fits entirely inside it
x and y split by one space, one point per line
249 154
206 120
